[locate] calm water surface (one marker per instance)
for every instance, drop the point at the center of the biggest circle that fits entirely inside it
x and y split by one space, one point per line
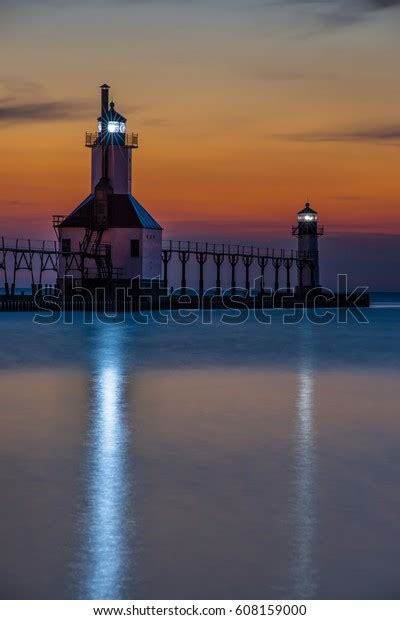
202 461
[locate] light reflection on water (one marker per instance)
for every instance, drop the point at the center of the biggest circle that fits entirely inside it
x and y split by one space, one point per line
304 574
264 461
105 537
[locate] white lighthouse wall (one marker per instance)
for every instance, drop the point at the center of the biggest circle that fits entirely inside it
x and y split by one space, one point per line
152 248
147 264
119 168
120 241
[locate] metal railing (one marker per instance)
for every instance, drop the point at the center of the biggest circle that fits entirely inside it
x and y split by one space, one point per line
58 219
228 249
319 230
132 140
27 245
93 139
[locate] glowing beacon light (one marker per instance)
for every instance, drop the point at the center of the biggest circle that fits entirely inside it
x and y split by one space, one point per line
115 127
307 215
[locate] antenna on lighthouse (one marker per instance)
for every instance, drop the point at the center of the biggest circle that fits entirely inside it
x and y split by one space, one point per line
104 114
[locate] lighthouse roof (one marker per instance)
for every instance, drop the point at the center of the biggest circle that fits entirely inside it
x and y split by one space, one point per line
307 209
113 115
124 211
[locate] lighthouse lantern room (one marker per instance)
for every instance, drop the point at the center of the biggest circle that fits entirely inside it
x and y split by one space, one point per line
115 235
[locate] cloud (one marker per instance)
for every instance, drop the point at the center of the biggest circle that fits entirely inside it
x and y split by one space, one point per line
345 198
10 111
345 12
24 100
333 13
328 12
264 73
361 5
389 134
19 86
277 75
375 4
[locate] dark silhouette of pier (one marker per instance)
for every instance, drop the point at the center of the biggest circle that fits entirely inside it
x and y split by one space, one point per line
282 263
41 257
84 271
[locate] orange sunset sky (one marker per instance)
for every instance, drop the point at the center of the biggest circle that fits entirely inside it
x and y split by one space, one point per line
244 108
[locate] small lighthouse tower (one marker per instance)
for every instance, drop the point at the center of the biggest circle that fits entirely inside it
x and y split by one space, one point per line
111 147
115 236
307 231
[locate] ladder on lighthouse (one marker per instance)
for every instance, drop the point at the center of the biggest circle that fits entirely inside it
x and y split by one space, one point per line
101 253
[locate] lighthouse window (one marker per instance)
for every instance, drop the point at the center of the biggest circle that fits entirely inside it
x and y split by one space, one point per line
115 127
65 246
307 218
134 248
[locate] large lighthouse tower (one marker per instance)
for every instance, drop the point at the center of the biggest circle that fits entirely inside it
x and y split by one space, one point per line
307 231
115 235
